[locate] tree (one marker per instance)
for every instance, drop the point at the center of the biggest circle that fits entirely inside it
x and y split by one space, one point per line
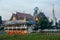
44 23
0 20
36 10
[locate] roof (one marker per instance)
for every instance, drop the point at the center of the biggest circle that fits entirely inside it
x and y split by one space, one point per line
19 22
31 22
19 15
3 21
14 22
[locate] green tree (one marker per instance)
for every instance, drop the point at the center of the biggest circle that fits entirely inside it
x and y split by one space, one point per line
0 20
44 23
36 10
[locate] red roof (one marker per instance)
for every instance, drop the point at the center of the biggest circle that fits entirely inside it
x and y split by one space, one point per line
19 15
3 21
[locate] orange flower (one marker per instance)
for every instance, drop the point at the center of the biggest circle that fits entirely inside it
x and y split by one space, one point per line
20 32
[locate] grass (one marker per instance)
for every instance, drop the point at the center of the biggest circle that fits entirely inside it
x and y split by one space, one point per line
32 36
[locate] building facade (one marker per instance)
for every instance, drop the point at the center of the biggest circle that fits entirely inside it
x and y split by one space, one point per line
19 23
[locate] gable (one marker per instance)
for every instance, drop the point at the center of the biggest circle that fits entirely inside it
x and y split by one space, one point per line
13 18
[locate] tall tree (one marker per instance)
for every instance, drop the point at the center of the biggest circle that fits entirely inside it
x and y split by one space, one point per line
36 10
44 23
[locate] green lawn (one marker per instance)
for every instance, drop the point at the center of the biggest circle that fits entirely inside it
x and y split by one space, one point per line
32 36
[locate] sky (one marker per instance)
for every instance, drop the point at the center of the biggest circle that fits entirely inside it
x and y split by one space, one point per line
7 7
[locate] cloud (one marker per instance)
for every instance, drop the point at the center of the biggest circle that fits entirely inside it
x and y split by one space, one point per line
9 6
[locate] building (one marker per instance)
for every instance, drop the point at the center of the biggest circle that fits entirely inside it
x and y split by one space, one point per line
19 23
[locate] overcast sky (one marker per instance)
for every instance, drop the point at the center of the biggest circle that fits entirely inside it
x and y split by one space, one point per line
7 7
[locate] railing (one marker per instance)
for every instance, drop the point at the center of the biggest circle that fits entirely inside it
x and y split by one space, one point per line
15 27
